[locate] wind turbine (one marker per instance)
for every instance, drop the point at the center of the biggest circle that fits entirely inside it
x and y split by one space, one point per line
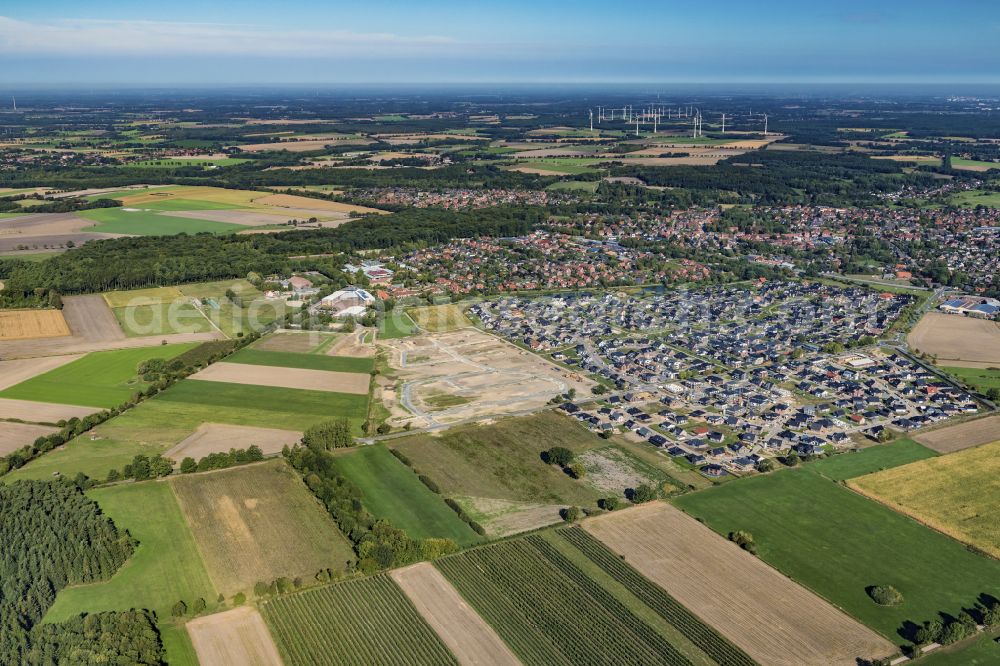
723 123
765 124
591 120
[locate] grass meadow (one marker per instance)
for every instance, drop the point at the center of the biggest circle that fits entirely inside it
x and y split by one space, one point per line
165 567
982 378
99 379
150 223
305 361
391 490
875 458
838 543
162 319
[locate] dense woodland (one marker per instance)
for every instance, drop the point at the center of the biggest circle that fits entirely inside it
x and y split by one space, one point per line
52 536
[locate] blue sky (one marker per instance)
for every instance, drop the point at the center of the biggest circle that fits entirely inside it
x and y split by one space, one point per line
448 41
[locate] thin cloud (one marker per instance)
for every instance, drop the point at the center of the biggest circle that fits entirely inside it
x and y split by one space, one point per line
112 37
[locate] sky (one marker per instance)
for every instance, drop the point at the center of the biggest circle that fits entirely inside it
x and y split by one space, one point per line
250 42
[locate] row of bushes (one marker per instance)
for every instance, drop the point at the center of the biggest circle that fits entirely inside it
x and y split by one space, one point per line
434 488
234 457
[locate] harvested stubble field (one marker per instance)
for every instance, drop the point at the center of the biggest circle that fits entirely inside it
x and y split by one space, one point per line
237 637
357 623
439 318
961 436
15 435
469 638
220 438
259 522
294 201
31 324
39 230
699 569
315 361
957 340
549 611
280 377
41 412
949 493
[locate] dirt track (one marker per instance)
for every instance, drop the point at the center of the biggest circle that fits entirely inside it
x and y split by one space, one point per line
15 372
962 436
15 435
293 378
235 638
972 342
770 617
219 438
467 635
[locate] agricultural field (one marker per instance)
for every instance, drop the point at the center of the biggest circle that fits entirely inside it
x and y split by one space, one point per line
548 611
439 318
357 623
165 568
972 198
838 543
237 637
244 374
302 342
14 435
872 459
220 438
150 296
468 637
391 490
498 468
983 379
31 324
19 370
257 523
100 379
961 436
396 324
137 222
957 341
698 568
252 314
257 356
162 319
948 493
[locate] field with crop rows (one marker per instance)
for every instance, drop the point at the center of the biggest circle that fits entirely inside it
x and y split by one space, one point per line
366 621
671 610
550 612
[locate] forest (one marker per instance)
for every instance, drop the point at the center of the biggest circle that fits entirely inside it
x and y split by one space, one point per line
53 536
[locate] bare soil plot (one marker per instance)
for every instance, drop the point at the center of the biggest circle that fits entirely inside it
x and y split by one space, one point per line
952 338
467 635
32 324
235 638
302 146
770 617
15 435
962 436
220 438
257 523
353 345
248 218
945 493
15 372
41 412
46 229
489 375
293 378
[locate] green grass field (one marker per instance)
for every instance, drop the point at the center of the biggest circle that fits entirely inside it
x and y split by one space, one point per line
148 223
984 650
961 162
165 568
574 186
255 312
396 325
298 360
99 379
838 543
503 460
151 296
972 198
568 166
849 465
357 623
549 611
286 408
982 378
391 490
162 319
